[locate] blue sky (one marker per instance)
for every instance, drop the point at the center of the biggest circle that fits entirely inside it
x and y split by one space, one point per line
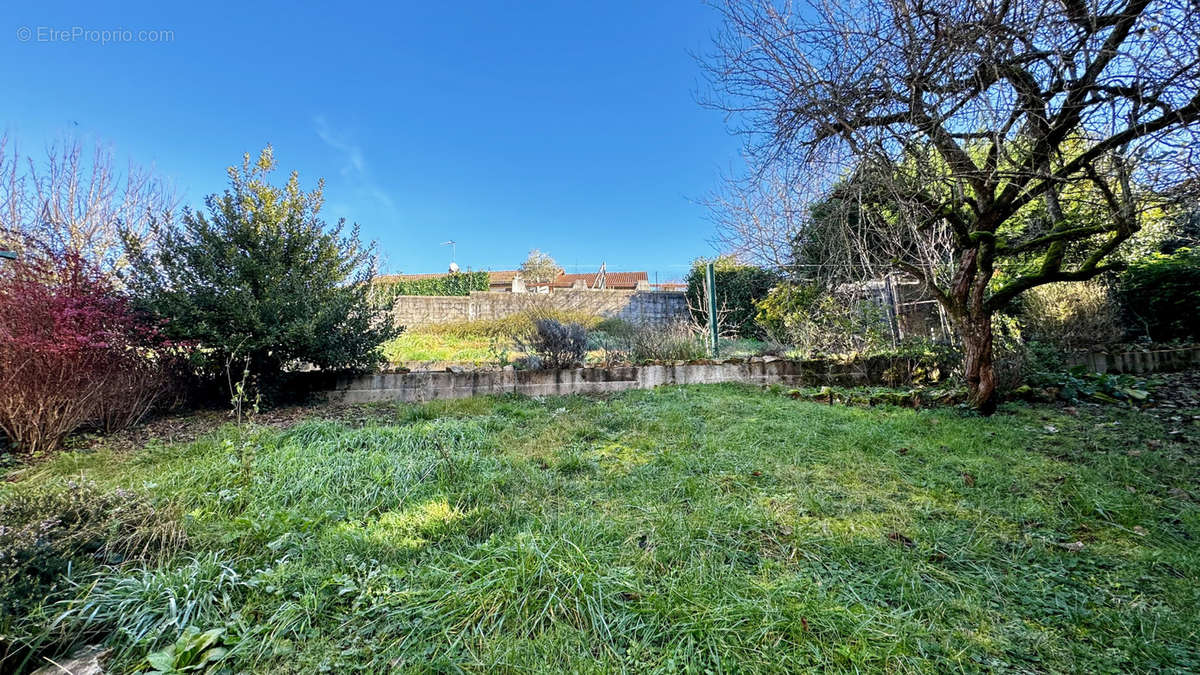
571 127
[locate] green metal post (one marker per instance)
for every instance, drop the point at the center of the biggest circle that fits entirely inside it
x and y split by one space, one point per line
710 278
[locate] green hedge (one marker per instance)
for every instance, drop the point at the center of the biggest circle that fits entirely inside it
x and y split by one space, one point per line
1162 295
451 284
739 286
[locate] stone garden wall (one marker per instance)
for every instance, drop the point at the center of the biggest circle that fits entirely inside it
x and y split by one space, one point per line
638 306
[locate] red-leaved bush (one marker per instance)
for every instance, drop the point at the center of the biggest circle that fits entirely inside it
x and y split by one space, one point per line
73 352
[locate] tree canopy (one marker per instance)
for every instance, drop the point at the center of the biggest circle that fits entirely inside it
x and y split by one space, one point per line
539 269
1033 137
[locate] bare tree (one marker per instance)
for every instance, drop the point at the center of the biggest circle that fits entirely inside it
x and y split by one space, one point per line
1031 137
759 218
539 269
72 200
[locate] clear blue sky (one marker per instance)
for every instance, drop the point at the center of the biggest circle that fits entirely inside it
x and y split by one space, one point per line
571 127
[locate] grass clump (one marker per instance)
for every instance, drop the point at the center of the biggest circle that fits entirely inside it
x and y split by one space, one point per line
697 529
140 609
51 533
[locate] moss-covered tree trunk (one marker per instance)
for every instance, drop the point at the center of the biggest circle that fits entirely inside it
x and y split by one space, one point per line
967 303
978 362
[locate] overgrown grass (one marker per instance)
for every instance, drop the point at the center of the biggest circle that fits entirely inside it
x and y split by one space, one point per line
492 342
412 347
481 342
688 529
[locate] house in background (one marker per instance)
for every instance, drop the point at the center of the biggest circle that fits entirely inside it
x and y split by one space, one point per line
617 281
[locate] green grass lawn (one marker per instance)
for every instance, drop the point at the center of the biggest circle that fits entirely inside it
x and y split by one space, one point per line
713 528
413 347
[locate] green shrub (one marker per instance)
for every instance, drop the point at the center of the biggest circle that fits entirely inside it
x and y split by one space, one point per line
1044 357
739 287
555 344
640 343
817 321
1161 294
782 305
262 279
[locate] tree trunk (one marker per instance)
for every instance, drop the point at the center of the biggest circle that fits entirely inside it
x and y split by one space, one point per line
978 365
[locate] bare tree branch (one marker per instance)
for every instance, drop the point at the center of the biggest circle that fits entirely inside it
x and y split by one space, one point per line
77 201
958 139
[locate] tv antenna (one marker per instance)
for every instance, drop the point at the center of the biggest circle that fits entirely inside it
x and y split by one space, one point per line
453 249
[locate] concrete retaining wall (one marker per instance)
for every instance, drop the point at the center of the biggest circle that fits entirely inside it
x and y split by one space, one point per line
461 383
639 306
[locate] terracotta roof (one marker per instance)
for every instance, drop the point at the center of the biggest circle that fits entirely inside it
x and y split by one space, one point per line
502 276
611 279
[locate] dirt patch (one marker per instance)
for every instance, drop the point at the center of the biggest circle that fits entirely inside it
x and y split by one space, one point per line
188 426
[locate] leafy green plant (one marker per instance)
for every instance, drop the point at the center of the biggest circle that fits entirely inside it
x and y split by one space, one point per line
1079 384
739 286
1162 293
818 321
385 290
262 275
193 652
